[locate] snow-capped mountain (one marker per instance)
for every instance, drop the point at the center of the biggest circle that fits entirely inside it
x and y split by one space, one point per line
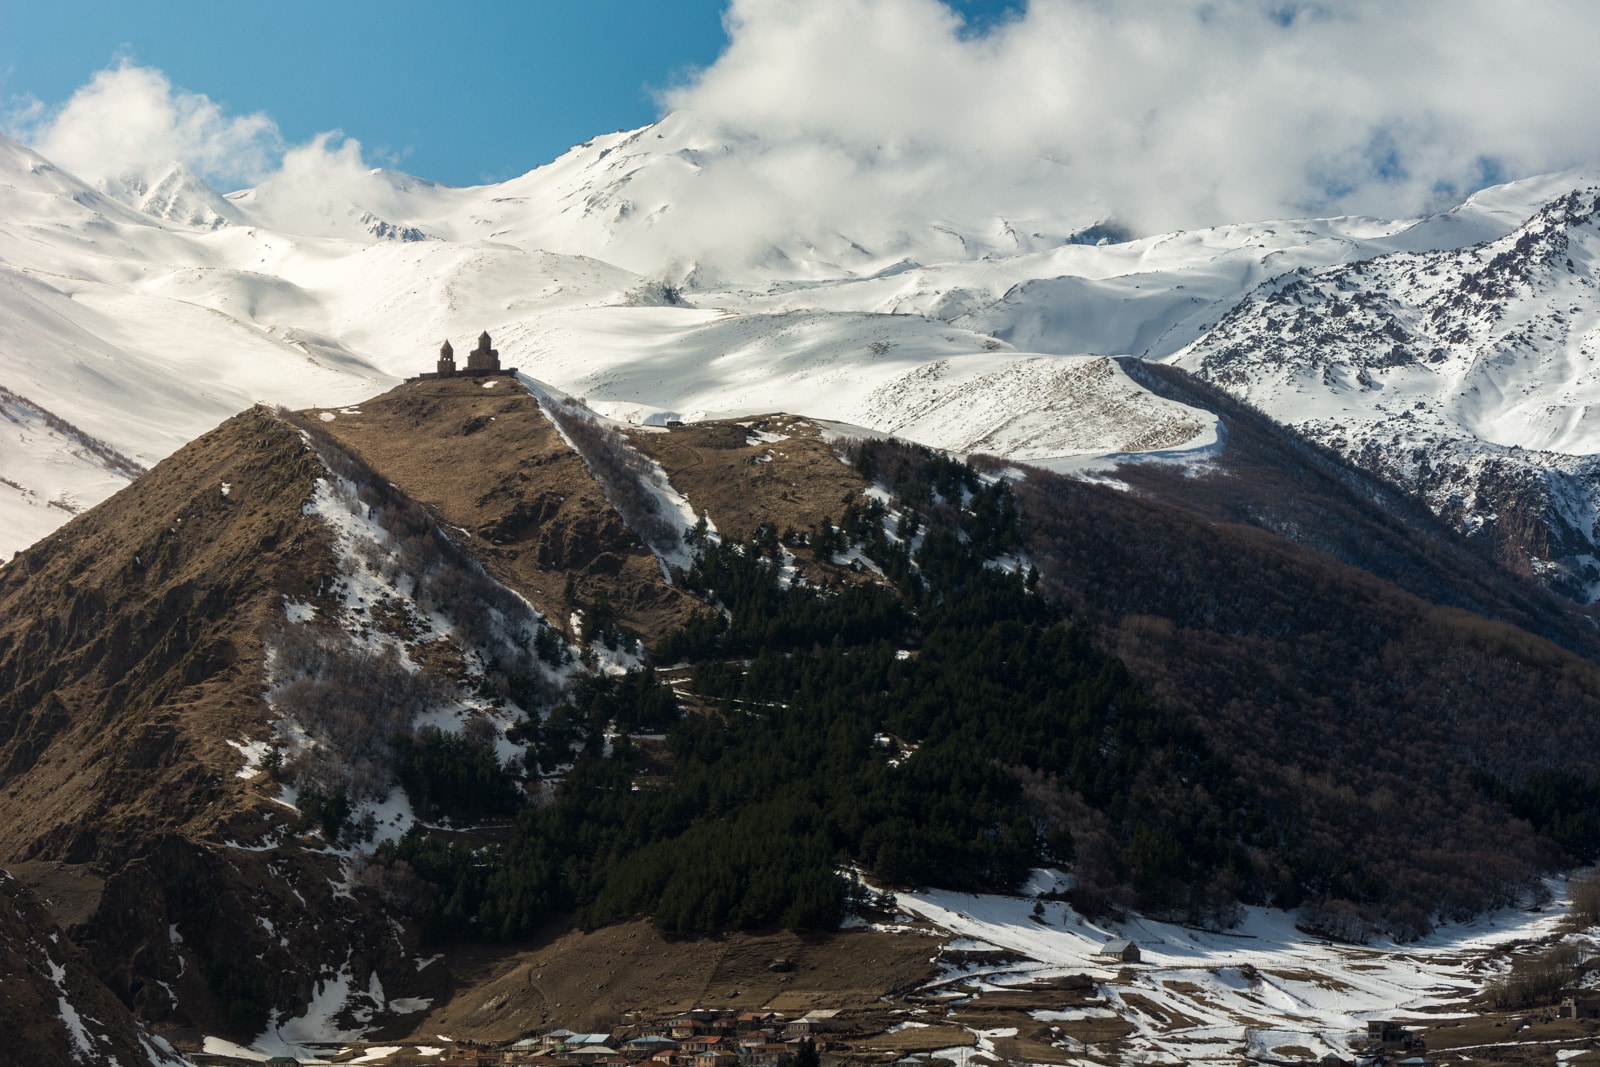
139 314
175 194
1468 376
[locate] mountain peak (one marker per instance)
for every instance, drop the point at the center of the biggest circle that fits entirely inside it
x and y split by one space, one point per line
173 193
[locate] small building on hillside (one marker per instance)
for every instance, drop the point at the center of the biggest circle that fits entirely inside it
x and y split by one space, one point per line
482 362
1123 950
651 1044
1580 1007
703 1043
816 1022
755 1020
556 1039
768 1054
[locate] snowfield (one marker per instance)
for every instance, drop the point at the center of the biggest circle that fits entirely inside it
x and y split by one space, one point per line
138 314
1199 996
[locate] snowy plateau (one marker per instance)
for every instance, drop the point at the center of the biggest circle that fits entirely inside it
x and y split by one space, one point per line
137 313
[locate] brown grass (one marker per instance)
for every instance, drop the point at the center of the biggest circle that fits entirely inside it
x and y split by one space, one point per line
486 461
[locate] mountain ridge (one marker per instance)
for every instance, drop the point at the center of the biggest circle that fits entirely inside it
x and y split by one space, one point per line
250 594
1463 354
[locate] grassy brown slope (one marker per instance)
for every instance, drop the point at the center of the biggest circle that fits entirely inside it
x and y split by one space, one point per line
1268 476
130 655
130 649
744 483
1358 707
590 981
483 458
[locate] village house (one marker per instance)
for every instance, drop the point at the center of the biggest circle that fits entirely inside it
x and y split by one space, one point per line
769 1054
1123 950
1580 1007
711 1039
650 1044
689 1024
465 1055
556 1039
816 1022
1386 1032
593 1053
522 1052
703 1043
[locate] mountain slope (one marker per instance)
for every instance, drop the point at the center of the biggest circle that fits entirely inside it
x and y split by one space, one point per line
364 589
145 312
1465 377
157 647
54 1009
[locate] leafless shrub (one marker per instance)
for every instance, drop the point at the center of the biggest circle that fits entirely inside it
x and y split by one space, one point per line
350 701
1586 900
487 616
107 455
1338 920
1537 979
623 473
397 884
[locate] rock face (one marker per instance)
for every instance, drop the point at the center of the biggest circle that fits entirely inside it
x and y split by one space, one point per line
1465 376
53 1006
134 668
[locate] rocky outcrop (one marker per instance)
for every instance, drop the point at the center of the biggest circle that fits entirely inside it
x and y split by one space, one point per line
53 1006
1463 376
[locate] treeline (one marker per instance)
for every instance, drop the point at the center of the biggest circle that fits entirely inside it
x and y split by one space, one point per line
1229 719
1363 715
927 733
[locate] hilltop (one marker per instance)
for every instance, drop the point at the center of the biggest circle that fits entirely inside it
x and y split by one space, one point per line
323 725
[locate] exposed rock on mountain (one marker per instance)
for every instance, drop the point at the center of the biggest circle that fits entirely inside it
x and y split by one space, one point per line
175 195
54 1009
1466 377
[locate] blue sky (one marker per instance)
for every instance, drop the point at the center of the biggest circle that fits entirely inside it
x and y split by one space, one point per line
1158 114
459 93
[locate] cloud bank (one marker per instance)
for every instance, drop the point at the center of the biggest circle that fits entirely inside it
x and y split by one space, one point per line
1162 113
874 121
129 119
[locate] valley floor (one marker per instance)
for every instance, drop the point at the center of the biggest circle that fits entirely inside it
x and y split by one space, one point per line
975 979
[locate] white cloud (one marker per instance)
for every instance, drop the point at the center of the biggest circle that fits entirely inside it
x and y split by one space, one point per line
130 118
1164 113
874 118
